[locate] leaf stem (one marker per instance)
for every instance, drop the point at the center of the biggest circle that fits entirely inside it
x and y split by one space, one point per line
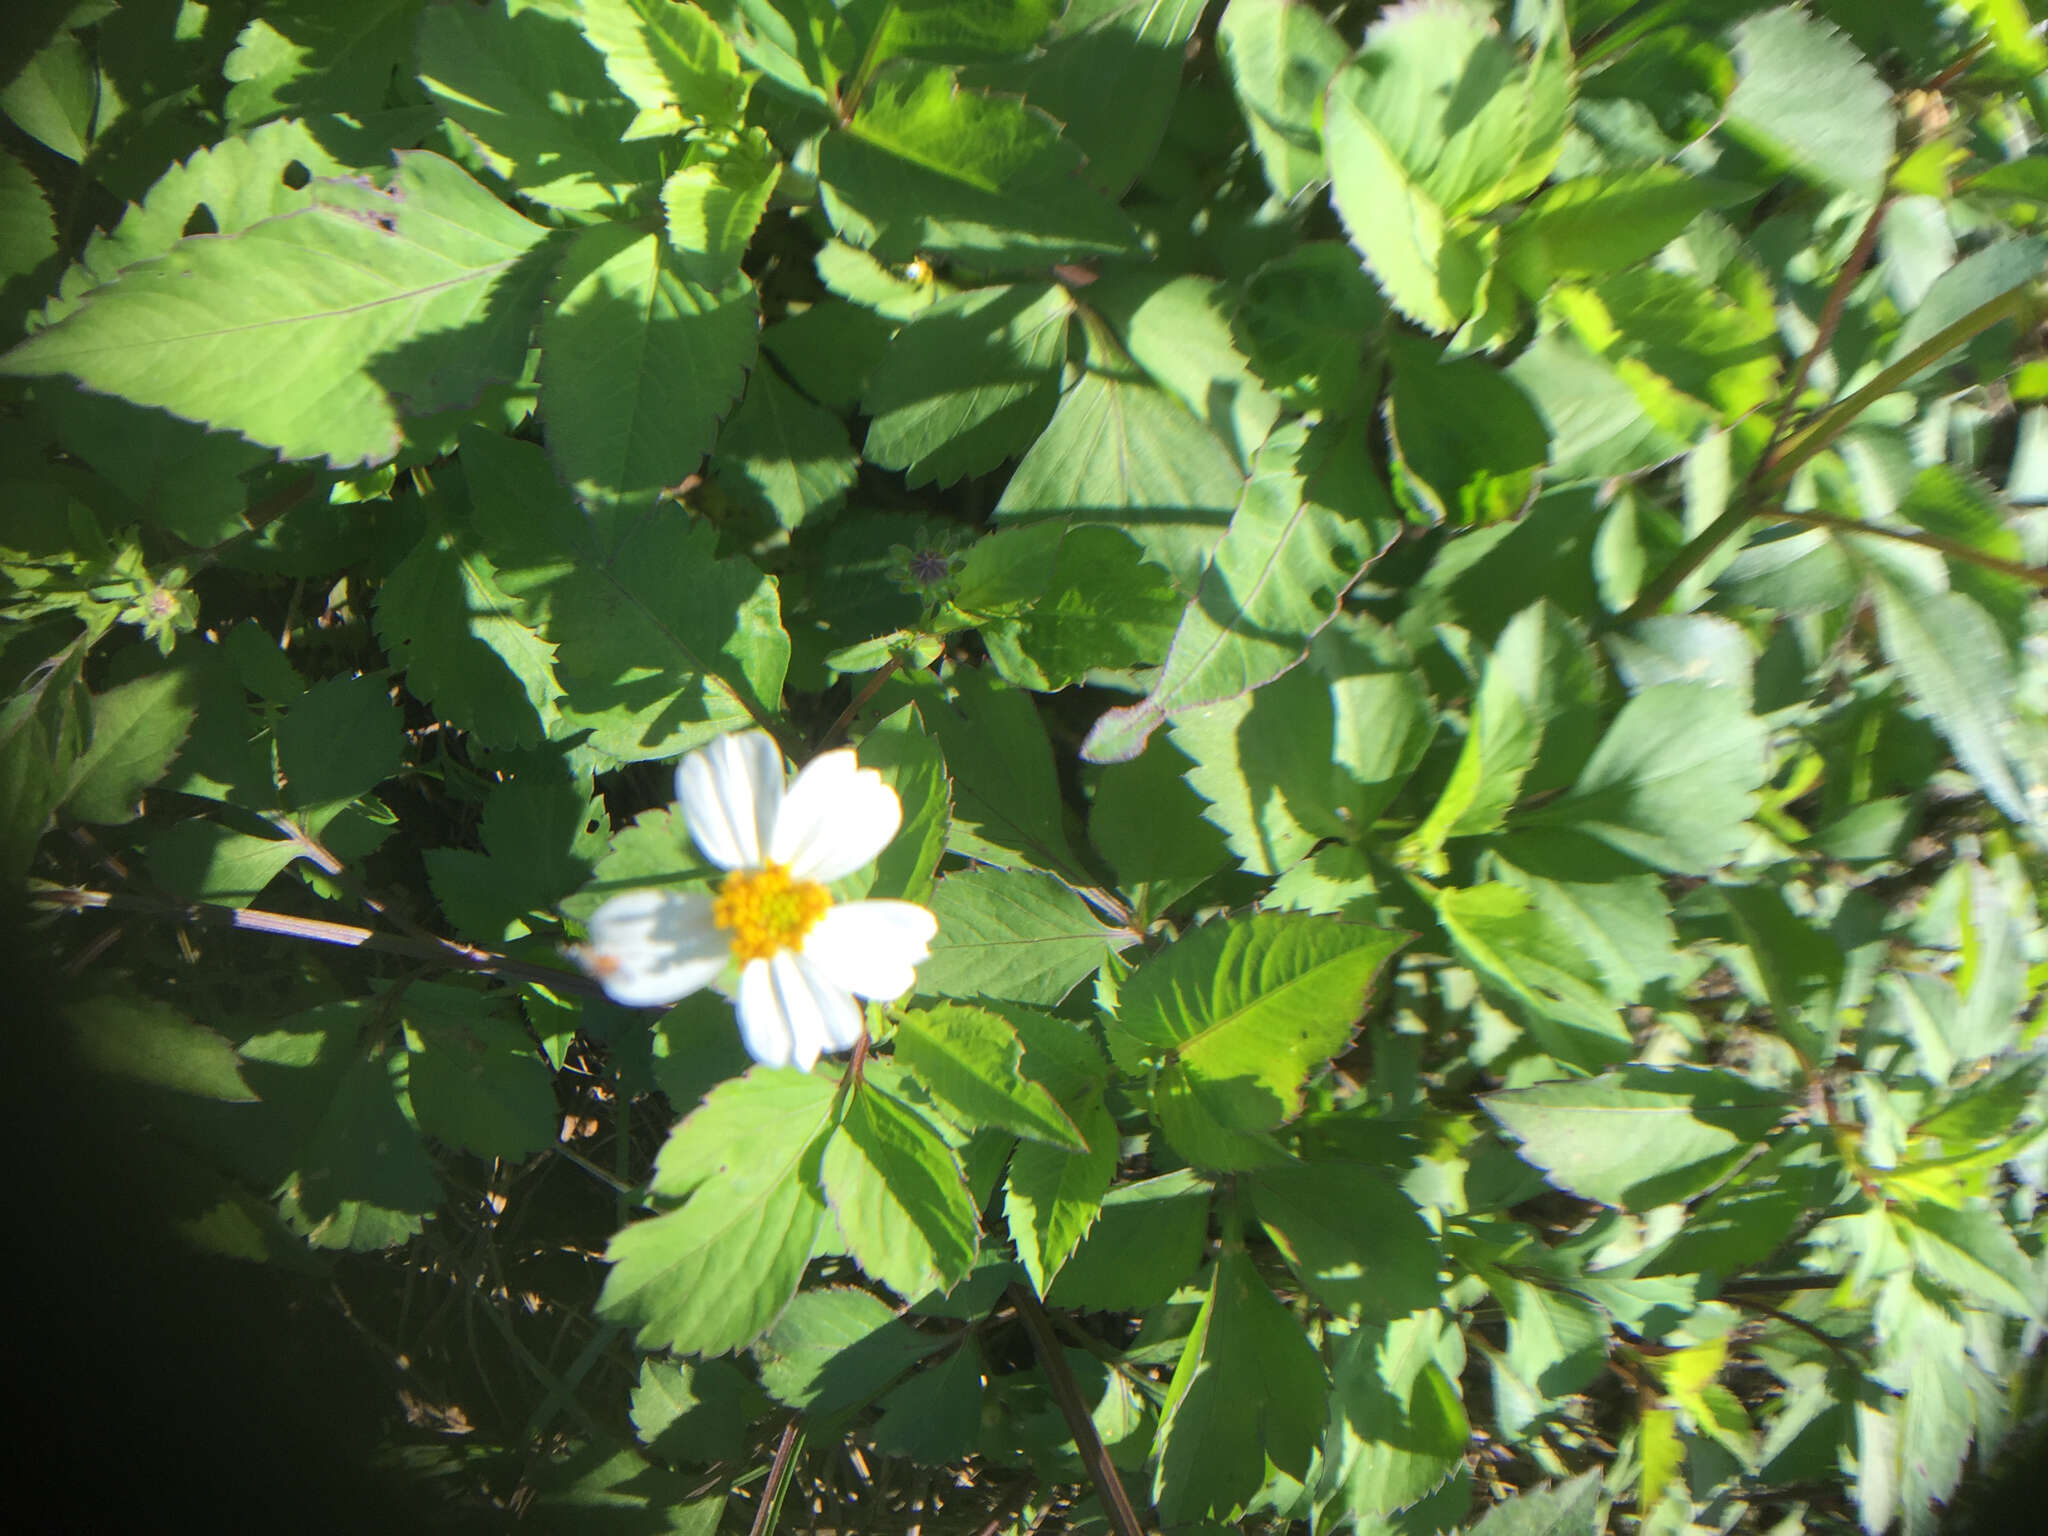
2033 575
1109 1487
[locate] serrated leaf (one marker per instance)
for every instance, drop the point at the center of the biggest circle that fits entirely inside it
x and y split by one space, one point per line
665 54
1556 1509
1281 56
639 362
662 646
1960 674
473 1075
1640 1136
1053 1196
1557 1340
1521 952
781 454
1468 444
462 643
531 94
927 165
1263 764
1356 1241
1673 781
1248 1007
1119 451
1386 1452
898 1196
342 739
1103 608
1311 519
150 1042
1248 1388
1806 96
690 1410
312 332
1144 1246
959 29
972 1060
138 728
1592 225
716 1273
28 229
1974 1251
934 1418
1017 935
205 861
836 1348
318 55
969 382
714 203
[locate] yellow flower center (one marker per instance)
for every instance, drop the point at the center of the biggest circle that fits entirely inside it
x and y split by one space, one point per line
767 911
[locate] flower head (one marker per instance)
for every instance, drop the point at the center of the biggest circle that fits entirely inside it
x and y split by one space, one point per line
793 958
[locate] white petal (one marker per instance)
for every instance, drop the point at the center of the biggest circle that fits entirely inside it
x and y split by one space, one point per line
844 1024
764 1028
871 948
836 817
651 948
731 793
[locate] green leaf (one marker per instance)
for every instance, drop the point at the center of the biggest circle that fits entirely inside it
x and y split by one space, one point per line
1249 1007
1590 226
1555 1509
52 99
1263 764
1178 329
972 1060
928 165
1520 951
1109 72
1104 609
1601 902
152 1043
1539 686
28 229
1387 1450
1973 1251
1805 96
1673 781
639 362
1053 1196
690 1410
342 739
1018 935
1960 673
1641 1136
138 728
662 646
713 204
666 55
318 55
837 1348
1121 452
1311 519
462 643
958 29
1557 1341
934 1418
782 455
1303 324
1431 123
532 97
1977 282
969 382
898 1195
1467 443
1281 56
1356 1241
1143 1247
598 1487
716 1273
474 1076
205 861
1148 823
1248 1388
312 332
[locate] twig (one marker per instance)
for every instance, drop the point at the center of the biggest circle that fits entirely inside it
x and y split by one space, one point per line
868 690
450 952
2032 575
1109 1487
1834 1345
778 1478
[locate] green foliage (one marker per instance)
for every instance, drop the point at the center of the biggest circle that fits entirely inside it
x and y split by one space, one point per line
1450 593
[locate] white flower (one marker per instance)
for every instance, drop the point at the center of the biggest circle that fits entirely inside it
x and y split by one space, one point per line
801 958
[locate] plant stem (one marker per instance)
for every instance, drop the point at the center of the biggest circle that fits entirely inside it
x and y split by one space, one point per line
2032 575
316 930
1109 1487
778 1478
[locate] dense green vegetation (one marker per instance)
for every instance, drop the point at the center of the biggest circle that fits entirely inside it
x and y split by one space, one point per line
1449 594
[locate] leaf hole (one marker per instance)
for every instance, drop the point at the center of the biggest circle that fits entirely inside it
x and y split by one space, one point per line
200 222
296 175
